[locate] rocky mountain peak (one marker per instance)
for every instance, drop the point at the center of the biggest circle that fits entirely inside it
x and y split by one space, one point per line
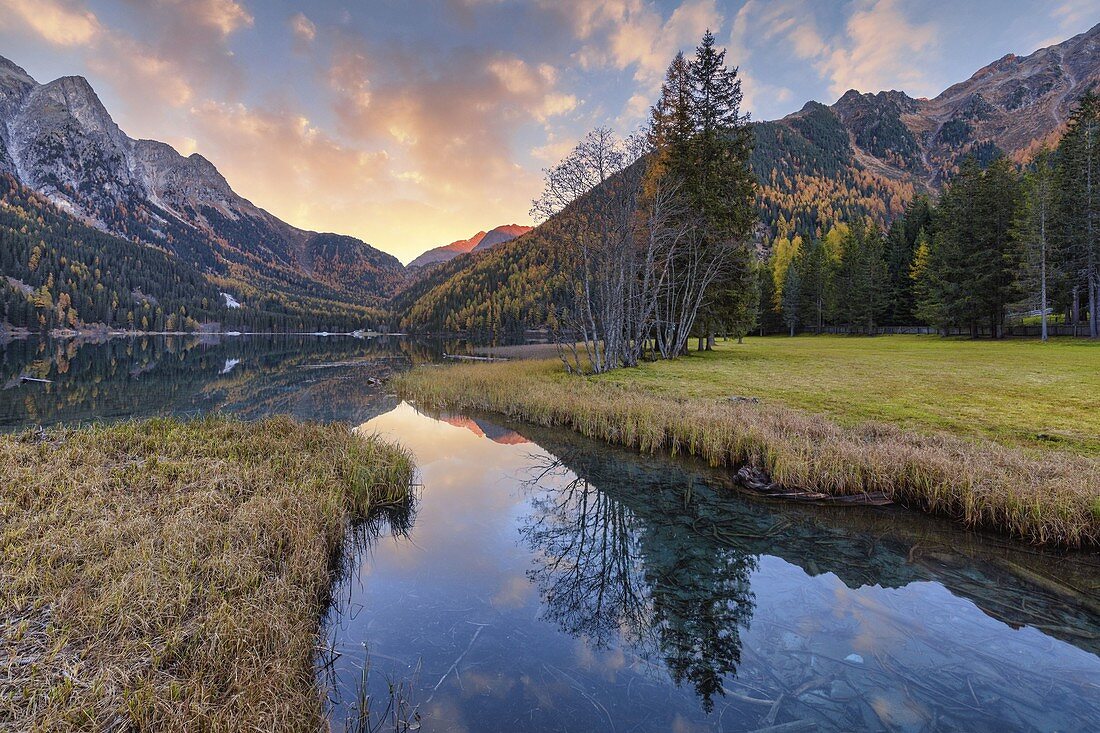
10 72
60 141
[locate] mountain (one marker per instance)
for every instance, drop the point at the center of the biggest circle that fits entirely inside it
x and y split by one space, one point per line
866 155
58 140
447 252
57 272
504 289
479 242
500 235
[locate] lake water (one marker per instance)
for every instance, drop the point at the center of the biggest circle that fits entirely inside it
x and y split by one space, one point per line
543 582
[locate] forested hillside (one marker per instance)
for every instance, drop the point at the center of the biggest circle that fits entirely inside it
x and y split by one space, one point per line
504 289
60 273
810 176
59 141
863 160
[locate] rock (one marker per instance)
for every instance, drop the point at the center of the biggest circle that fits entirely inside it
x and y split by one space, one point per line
854 658
841 690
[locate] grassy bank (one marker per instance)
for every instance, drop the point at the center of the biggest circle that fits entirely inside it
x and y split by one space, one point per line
1041 495
1021 392
171 575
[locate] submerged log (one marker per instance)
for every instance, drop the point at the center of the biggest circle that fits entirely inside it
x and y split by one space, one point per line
757 480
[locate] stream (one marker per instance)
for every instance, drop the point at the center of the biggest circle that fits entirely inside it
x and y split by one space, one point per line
544 582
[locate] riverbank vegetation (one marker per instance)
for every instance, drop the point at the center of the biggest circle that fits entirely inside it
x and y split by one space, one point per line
822 415
169 575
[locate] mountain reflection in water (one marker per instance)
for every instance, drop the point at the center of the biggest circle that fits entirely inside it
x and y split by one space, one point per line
543 582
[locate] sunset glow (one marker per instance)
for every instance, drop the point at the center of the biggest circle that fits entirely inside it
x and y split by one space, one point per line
413 124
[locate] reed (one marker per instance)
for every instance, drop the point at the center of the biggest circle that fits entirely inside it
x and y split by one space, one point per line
1044 498
168 575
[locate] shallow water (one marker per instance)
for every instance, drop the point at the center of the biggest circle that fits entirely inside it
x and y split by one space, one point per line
548 583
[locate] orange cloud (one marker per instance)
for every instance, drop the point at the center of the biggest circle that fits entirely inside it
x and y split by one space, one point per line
56 21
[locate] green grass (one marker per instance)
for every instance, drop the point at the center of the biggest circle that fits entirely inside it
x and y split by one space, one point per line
940 426
172 576
1016 392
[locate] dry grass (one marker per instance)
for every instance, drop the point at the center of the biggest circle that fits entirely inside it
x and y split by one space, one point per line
169 575
1045 499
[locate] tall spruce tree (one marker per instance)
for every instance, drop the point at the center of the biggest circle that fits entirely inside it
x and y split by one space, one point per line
1033 232
815 275
792 297
862 278
702 145
722 184
974 259
1078 200
901 245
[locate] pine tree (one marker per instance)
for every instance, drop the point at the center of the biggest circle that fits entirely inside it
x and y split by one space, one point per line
723 183
1078 186
792 297
927 301
815 274
861 278
1032 231
974 259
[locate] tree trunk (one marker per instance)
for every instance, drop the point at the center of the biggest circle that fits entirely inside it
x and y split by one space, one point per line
1094 322
1043 294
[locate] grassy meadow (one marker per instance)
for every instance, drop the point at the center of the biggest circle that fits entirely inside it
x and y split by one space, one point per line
169 575
1019 392
1000 436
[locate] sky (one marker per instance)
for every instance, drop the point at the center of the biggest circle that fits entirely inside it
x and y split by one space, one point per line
414 123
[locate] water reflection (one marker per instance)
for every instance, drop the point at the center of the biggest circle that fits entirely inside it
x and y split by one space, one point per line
562 585
303 376
688 550
606 573
544 582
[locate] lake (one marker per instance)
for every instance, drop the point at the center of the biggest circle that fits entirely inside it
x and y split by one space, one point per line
543 582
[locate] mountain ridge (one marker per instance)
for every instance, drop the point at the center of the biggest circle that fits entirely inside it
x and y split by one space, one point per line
480 242
866 155
60 141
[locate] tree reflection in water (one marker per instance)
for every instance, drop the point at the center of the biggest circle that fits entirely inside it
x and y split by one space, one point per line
607 571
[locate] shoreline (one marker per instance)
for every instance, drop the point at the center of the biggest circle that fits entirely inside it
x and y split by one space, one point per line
181 582
1051 500
63 334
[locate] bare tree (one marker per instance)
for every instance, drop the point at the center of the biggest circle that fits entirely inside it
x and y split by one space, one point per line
591 203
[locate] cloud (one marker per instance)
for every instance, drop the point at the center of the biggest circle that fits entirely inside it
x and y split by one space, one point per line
1076 16
878 47
303 28
59 22
139 74
883 49
454 115
633 34
221 16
